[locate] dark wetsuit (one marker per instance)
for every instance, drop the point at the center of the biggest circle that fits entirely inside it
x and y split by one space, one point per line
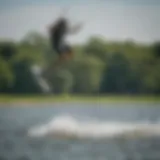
57 34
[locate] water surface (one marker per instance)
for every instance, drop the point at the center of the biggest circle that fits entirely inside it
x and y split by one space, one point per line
16 120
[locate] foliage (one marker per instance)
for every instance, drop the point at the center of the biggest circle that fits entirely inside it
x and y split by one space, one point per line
99 66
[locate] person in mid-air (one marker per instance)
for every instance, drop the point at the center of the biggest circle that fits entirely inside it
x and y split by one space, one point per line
57 34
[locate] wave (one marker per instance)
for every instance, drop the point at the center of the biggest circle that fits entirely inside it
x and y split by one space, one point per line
69 127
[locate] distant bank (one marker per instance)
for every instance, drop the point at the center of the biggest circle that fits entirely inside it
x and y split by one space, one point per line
9 99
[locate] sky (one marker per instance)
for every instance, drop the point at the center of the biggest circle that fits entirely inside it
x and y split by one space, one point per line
118 20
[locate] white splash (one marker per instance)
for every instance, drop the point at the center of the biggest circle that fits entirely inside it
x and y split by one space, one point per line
37 74
68 127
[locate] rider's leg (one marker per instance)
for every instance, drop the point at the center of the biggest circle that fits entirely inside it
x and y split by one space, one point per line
63 57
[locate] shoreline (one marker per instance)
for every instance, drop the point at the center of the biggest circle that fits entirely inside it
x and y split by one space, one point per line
34 99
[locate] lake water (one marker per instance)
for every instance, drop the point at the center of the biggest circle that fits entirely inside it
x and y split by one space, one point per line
26 131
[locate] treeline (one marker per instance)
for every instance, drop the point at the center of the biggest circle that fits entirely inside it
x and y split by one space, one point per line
99 67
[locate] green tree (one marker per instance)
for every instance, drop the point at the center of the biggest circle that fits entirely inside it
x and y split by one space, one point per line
87 74
156 49
96 47
7 50
24 80
6 76
118 76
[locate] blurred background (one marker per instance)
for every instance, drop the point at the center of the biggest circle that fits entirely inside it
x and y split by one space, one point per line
116 52
116 64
